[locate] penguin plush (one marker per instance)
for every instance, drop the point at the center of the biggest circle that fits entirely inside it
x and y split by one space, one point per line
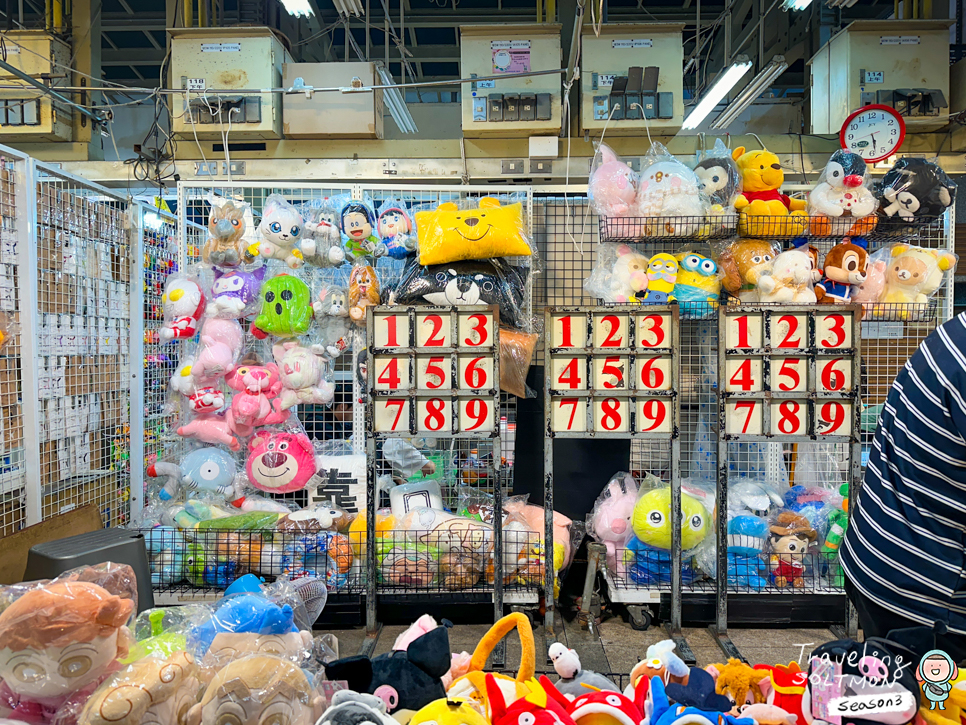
842 190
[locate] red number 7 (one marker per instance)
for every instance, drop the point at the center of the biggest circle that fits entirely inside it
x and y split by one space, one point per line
572 402
748 405
399 409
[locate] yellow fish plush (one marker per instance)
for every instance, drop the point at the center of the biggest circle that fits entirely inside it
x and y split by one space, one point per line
449 712
450 234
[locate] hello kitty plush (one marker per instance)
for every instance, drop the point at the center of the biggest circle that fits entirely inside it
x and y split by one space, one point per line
611 516
613 185
301 374
183 304
280 231
255 402
321 238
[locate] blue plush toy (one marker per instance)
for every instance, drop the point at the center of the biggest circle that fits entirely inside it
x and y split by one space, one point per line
662 713
167 551
309 556
649 565
746 541
206 469
249 613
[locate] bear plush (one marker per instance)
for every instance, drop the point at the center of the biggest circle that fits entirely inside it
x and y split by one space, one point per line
764 210
742 264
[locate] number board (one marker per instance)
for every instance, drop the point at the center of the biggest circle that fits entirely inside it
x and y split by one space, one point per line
612 372
434 371
789 372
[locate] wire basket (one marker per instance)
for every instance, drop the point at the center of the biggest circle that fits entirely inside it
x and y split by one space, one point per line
876 229
641 229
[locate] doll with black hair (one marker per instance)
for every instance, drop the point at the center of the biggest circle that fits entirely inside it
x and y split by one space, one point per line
358 222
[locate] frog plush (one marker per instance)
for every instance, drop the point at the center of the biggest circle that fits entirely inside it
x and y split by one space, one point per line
286 308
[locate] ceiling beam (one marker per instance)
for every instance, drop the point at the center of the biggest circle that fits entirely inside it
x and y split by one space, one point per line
127 8
150 37
129 56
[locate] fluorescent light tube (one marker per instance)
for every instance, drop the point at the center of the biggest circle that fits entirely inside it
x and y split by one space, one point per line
795 4
718 91
298 8
758 85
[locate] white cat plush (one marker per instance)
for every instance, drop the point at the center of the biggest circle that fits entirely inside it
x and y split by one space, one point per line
280 231
301 373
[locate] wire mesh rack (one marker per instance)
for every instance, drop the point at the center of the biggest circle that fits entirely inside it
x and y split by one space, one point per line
645 229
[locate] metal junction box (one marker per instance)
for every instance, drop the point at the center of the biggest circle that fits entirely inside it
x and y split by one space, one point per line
632 73
233 64
30 114
332 114
516 107
898 63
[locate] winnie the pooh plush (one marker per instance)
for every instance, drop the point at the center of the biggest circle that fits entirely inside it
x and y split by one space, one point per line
764 210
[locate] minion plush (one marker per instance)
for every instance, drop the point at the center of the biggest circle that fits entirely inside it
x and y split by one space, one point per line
662 273
697 286
445 711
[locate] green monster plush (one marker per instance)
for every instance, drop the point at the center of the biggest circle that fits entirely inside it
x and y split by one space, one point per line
286 308
838 522
161 643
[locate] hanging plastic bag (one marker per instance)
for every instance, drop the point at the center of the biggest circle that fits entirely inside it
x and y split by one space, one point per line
669 194
357 219
321 238
620 274
718 178
396 229
230 226
842 203
234 294
516 353
183 304
915 191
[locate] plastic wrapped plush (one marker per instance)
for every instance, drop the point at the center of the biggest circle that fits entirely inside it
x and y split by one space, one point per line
218 350
198 398
483 282
718 178
286 308
516 353
208 469
787 278
609 522
845 265
612 186
842 202
871 289
364 291
408 496
280 232
234 294
395 228
790 535
697 285
358 222
481 229
228 220
915 274
446 532
669 190
183 304
256 400
915 191
280 461
742 262
321 237
303 375
620 274
331 309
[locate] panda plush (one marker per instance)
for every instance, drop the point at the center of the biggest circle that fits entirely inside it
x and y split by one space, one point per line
915 191
478 282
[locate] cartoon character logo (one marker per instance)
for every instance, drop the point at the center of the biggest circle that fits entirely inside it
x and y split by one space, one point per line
936 670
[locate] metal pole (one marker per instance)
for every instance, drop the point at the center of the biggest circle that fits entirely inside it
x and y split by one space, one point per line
697 45
26 204
402 40
49 91
595 552
136 357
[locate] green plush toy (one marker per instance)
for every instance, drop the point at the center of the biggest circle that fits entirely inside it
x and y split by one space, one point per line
160 643
251 521
838 522
286 308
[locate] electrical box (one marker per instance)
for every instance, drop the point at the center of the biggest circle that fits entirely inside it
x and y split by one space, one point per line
232 65
514 107
332 114
899 63
632 74
27 113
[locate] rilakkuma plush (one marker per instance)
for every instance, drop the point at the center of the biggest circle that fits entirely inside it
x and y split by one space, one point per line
200 399
251 688
915 191
915 274
662 275
331 314
697 286
39 632
301 373
612 186
541 705
449 712
450 234
790 537
321 238
207 469
842 203
286 308
610 519
396 229
183 304
151 690
255 402
363 292
221 343
210 428
659 661
226 227
280 231
406 680
784 688
358 222
280 462
845 266
742 263
738 681
234 293
713 708
574 680
355 708
787 278
764 714
778 214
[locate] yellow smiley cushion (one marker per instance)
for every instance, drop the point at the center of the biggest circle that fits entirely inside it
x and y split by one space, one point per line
450 234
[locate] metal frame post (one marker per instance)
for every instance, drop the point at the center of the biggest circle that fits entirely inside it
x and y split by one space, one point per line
136 212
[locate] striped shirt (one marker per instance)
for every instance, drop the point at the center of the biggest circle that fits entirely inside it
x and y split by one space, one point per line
904 548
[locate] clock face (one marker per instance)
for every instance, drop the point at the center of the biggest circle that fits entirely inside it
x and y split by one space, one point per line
874 132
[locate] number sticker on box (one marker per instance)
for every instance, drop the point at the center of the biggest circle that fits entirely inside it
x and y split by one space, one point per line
392 373
744 332
653 415
789 417
392 415
433 330
833 330
653 331
743 417
789 331
476 372
476 329
743 374
833 417
611 415
834 374
434 415
653 373
569 414
611 372
434 372
610 331
476 415
569 331
789 374
391 330
568 373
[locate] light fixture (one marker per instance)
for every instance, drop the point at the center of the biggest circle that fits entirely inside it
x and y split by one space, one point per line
349 7
395 102
758 85
298 8
153 221
726 81
795 4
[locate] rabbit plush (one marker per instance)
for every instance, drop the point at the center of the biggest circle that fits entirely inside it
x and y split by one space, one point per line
611 517
613 185
301 375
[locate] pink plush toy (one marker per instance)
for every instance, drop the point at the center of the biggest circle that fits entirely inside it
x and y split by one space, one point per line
872 289
280 462
256 403
612 515
533 515
221 343
459 663
613 186
210 428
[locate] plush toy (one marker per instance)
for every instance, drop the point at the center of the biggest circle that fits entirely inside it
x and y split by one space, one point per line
742 263
167 550
699 692
325 555
152 690
605 707
916 191
663 713
183 304
405 680
872 289
444 530
354 708
385 525
536 707
201 399
787 278
233 293
534 518
448 712
697 285
755 497
331 313
363 292
662 274
648 554
738 681
259 685
668 189
313 519
915 274
38 630
845 265
784 688
612 186
358 222
574 681
450 234
719 179
321 238
746 542
255 402
620 275
406 564
778 214
280 462
765 714
210 428
842 202
205 469
252 614
286 308
659 661
301 374
221 343
611 515
226 227
280 231
838 522
790 536
396 229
